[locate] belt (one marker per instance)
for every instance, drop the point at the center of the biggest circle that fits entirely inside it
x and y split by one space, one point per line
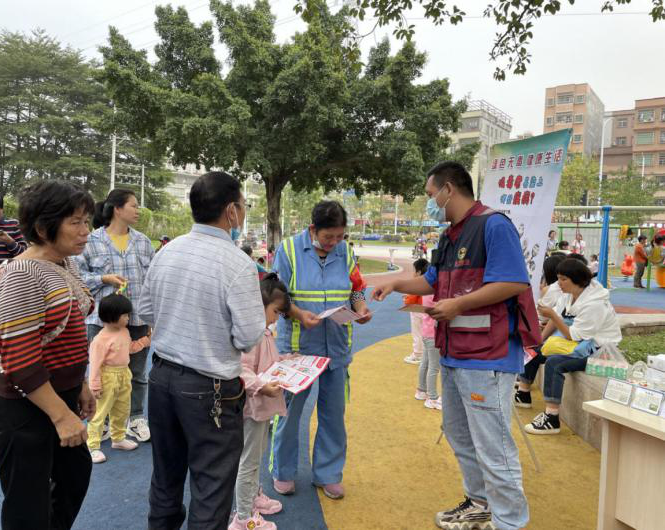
160 361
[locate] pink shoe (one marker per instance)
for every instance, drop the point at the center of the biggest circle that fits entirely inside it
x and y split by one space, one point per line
284 487
255 522
265 505
125 445
333 491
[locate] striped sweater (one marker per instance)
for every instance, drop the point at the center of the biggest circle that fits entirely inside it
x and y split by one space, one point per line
11 228
34 300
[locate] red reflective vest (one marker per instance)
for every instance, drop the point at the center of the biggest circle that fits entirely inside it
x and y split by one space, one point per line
480 333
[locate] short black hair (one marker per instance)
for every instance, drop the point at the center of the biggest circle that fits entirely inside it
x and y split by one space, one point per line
452 172
563 244
576 271
46 204
329 214
578 257
113 306
641 237
211 194
2 202
550 233
421 265
594 256
273 290
247 249
117 198
550 267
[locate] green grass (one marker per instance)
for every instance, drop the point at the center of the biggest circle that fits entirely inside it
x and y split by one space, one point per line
372 266
637 347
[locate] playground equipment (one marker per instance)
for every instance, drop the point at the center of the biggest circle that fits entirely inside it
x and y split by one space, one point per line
604 239
628 266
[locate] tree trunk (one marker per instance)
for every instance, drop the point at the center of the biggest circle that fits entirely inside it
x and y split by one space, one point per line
274 188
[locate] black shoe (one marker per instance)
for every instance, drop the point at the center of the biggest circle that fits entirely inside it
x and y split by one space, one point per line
544 424
523 399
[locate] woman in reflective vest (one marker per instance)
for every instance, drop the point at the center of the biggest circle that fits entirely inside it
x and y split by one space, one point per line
321 273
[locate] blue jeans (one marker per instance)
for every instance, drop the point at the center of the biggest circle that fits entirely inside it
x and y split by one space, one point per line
556 367
476 420
329 453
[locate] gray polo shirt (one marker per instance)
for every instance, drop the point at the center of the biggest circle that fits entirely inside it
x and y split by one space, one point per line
201 296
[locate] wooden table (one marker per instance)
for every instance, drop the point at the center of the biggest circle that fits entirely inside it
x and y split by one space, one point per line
632 468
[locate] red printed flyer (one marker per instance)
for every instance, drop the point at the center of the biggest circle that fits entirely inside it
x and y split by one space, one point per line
296 374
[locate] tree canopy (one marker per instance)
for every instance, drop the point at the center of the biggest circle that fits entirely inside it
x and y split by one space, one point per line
298 113
515 20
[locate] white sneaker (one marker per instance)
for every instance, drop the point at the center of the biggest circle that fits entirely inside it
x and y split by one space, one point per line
421 395
413 359
106 433
97 456
125 445
138 428
433 403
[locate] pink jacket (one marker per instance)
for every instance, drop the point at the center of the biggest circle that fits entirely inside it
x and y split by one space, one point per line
429 324
258 360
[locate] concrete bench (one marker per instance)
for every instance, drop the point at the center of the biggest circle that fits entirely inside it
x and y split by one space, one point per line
580 387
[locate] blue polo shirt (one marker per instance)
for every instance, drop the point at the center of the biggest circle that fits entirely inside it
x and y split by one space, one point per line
505 263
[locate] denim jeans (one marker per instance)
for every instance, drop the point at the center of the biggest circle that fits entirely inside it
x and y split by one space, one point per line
477 407
556 367
429 369
531 368
137 364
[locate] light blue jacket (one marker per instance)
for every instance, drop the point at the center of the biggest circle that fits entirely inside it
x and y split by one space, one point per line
316 286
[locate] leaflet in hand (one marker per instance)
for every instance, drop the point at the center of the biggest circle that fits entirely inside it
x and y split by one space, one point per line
413 308
341 315
297 374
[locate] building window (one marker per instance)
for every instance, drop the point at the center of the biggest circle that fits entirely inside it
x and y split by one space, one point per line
564 98
621 140
662 137
661 159
564 117
660 180
549 120
644 138
645 159
662 114
471 124
579 99
550 102
579 118
646 116
622 122
577 138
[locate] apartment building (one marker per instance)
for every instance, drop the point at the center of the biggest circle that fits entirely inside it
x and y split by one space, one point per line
576 107
486 124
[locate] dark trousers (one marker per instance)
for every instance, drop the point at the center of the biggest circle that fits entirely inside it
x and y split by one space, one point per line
639 272
44 484
556 366
185 437
137 365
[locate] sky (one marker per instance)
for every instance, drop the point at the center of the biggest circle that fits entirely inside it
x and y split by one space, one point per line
618 54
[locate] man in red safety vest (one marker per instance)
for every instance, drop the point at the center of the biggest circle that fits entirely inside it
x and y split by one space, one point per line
486 316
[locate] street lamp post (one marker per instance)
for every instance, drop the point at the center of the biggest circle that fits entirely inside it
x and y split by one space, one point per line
600 169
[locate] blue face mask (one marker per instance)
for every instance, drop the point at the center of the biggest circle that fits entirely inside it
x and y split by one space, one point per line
437 213
235 233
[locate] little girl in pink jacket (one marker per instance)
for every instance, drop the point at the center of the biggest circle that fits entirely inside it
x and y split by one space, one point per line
264 401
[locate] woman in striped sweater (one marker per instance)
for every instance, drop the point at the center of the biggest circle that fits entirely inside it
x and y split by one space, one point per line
45 465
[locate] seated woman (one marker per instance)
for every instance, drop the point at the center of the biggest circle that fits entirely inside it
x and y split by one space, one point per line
582 321
550 292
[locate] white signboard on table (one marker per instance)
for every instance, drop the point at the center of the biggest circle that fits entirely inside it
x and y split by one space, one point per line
522 181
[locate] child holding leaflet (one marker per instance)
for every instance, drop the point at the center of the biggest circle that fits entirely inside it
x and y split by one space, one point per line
264 400
110 376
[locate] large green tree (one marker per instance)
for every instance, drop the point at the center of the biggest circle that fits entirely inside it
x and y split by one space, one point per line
579 185
629 188
56 121
298 113
515 20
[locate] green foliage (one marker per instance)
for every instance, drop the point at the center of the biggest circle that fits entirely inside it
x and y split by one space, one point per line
173 224
515 20
299 114
637 347
579 176
628 188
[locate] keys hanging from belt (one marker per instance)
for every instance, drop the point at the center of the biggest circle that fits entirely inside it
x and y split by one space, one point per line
216 411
